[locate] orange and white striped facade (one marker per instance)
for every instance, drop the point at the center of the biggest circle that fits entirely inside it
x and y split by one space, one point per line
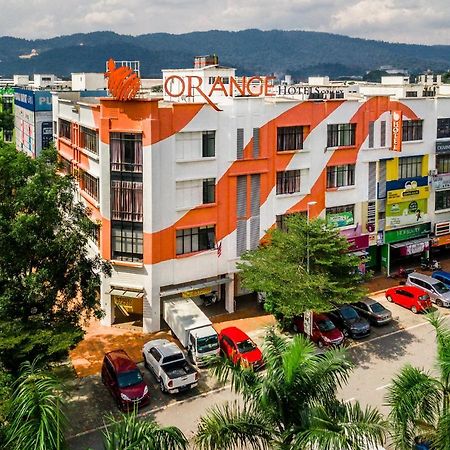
245 134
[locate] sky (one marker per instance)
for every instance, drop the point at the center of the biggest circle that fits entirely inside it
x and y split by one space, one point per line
410 21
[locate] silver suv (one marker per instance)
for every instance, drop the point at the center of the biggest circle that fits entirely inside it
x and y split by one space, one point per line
439 293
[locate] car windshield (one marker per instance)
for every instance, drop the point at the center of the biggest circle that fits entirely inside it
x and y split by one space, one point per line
349 313
207 344
377 308
246 346
423 298
325 325
441 288
127 379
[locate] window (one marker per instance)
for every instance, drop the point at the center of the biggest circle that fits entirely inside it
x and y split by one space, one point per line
64 165
338 176
95 234
127 241
442 200
126 199
410 166
443 163
209 190
89 140
383 134
208 144
7 105
196 239
412 130
340 216
288 182
342 134
411 93
282 219
126 152
89 184
289 138
64 129
443 128
7 135
371 133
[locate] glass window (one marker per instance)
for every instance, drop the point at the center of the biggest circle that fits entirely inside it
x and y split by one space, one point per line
246 346
209 190
338 176
89 140
383 133
288 182
282 219
190 240
127 241
410 166
130 378
89 184
289 138
127 200
65 129
442 200
126 152
443 163
412 130
443 128
371 133
208 144
341 135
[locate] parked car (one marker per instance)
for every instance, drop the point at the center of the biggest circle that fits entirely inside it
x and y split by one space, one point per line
442 275
350 322
411 297
238 347
373 311
122 377
439 293
324 332
169 365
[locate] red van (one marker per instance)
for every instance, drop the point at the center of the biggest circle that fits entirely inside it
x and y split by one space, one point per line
324 332
238 347
411 297
122 377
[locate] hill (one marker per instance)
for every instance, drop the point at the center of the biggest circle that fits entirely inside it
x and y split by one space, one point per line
300 53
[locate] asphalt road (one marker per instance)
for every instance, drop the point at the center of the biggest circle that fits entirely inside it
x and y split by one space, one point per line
377 359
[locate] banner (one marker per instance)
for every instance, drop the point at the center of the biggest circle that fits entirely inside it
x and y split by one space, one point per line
411 192
396 131
341 219
406 213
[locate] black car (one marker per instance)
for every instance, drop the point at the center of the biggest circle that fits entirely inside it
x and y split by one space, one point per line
373 311
350 322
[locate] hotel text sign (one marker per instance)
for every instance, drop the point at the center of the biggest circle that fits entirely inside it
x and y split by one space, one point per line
397 131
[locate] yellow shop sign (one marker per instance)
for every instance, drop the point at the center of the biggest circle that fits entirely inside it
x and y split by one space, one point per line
411 192
196 292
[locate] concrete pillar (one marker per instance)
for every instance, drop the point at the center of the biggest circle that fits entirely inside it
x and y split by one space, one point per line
152 311
229 294
107 304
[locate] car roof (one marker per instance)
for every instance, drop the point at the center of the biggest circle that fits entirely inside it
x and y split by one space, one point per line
413 289
235 334
442 273
320 316
421 276
164 346
368 301
121 361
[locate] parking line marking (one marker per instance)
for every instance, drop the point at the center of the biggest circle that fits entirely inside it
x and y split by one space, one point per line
383 387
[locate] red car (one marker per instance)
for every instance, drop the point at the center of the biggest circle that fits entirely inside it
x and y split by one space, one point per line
122 377
238 347
411 297
324 332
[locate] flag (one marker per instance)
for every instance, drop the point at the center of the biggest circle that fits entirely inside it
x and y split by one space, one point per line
219 249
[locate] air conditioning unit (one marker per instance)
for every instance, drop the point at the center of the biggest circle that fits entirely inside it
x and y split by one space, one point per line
432 172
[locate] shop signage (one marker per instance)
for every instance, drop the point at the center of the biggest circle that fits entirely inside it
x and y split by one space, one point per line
404 234
406 213
414 248
342 219
400 183
410 192
123 82
33 100
308 90
441 240
358 242
443 146
196 292
396 131
47 133
441 181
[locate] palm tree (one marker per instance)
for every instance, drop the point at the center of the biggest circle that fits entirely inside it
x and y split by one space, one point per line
128 432
292 405
420 402
36 421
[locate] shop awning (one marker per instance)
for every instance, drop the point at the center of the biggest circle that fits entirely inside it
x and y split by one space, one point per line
127 291
412 242
195 286
412 247
360 253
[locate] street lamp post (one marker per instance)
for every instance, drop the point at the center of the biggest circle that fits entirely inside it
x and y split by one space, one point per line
307 233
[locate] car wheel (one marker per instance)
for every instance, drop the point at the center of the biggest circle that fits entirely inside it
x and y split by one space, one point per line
345 333
161 385
389 298
414 309
320 344
439 303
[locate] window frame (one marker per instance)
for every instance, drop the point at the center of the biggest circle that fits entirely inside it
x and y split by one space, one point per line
288 182
444 197
443 132
208 191
340 176
137 241
195 239
341 135
410 166
91 143
290 138
65 129
90 184
412 130
209 144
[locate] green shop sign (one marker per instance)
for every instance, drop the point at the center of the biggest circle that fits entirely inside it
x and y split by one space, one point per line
6 91
406 233
341 219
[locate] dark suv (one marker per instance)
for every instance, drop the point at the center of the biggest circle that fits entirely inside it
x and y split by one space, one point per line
122 377
350 322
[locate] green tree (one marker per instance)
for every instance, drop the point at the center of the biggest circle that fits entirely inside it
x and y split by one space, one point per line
292 405
128 432
279 269
420 402
48 280
6 121
36 420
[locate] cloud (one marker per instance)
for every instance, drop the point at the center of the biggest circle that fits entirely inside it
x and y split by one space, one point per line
412 21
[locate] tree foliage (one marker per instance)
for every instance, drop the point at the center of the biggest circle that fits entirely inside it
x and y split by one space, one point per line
292 405
420 402
48 280
279 269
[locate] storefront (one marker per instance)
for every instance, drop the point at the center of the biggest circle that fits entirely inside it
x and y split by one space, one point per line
405 246
358 245
128 305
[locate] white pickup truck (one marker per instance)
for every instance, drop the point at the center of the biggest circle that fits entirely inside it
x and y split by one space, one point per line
169 365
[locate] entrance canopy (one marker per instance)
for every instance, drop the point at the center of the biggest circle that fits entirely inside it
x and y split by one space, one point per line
127 291
194 286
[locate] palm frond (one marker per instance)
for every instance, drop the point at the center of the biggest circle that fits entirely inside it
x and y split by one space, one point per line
274 347
231 427
442 435
443 346
415 398
343 427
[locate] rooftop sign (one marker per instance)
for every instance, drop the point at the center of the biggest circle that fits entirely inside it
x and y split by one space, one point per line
123 82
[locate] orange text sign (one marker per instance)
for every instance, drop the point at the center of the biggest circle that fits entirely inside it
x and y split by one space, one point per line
396 131
123 82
